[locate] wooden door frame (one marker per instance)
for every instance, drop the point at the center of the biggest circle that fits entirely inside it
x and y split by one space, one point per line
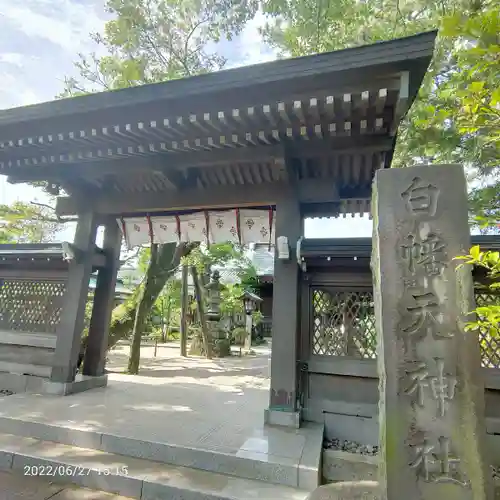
338 281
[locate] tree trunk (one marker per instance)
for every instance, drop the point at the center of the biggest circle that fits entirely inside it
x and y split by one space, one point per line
167 318
164 261
146 301
184 310
201 313
123 318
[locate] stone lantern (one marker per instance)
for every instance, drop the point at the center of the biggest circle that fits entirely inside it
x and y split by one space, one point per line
213 296
213 304
250 302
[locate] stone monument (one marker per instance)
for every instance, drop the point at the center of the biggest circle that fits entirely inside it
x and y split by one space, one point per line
431 411
221 346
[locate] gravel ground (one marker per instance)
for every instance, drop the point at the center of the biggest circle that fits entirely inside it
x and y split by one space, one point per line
5 392
350 446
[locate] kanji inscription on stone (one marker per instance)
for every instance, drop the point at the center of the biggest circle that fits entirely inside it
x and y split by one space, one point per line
422 311
434 463
421 197
442 387
431 410
420 317
426 254
421 384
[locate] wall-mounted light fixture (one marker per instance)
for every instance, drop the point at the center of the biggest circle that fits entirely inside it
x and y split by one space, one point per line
282 248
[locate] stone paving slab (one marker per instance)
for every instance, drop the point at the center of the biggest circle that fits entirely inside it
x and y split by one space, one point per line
252 461
197 413
132 477
177 400
19 487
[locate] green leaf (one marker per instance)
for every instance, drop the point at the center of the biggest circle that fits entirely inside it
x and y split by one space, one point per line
495 97
494 257
475 251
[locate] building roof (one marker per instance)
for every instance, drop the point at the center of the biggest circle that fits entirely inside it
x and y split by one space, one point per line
42 256
121 290
362 247
355 253
330 118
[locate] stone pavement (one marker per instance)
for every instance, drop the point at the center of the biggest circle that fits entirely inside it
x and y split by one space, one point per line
168 360
17 487
181 401
190 424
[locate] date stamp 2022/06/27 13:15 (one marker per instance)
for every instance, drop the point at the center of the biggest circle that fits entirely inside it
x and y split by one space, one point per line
73 470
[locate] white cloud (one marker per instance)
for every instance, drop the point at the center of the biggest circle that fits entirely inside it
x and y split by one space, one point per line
41 40
67 25
249 48
14 58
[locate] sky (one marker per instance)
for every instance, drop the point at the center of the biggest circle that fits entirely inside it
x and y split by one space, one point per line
40 40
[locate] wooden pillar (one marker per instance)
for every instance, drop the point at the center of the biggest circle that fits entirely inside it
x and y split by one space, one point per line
283 394
70 329
97 342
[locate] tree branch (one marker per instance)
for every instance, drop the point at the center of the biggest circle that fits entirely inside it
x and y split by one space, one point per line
43 205
57 219
190 34
156 49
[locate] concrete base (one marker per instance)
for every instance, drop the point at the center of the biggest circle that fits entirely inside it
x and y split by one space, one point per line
128 419
81 383
352 428
303 471
136 478
344 466
38 385
356 490
282 418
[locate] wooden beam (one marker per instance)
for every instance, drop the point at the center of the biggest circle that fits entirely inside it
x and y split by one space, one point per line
160 162
198 199
317 191
79 174
190 199
25 369
44 340
401 106
26 355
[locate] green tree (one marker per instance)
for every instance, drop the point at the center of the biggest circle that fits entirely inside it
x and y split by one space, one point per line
201 261
455 117
487 320
164 261
150 41
28 223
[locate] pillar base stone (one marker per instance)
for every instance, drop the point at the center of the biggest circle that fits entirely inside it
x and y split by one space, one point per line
81 383
282 418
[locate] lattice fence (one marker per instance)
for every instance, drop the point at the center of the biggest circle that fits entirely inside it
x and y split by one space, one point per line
490 345
29 305
344 325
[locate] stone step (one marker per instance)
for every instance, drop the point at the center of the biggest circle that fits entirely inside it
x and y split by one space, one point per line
131 477
302 471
